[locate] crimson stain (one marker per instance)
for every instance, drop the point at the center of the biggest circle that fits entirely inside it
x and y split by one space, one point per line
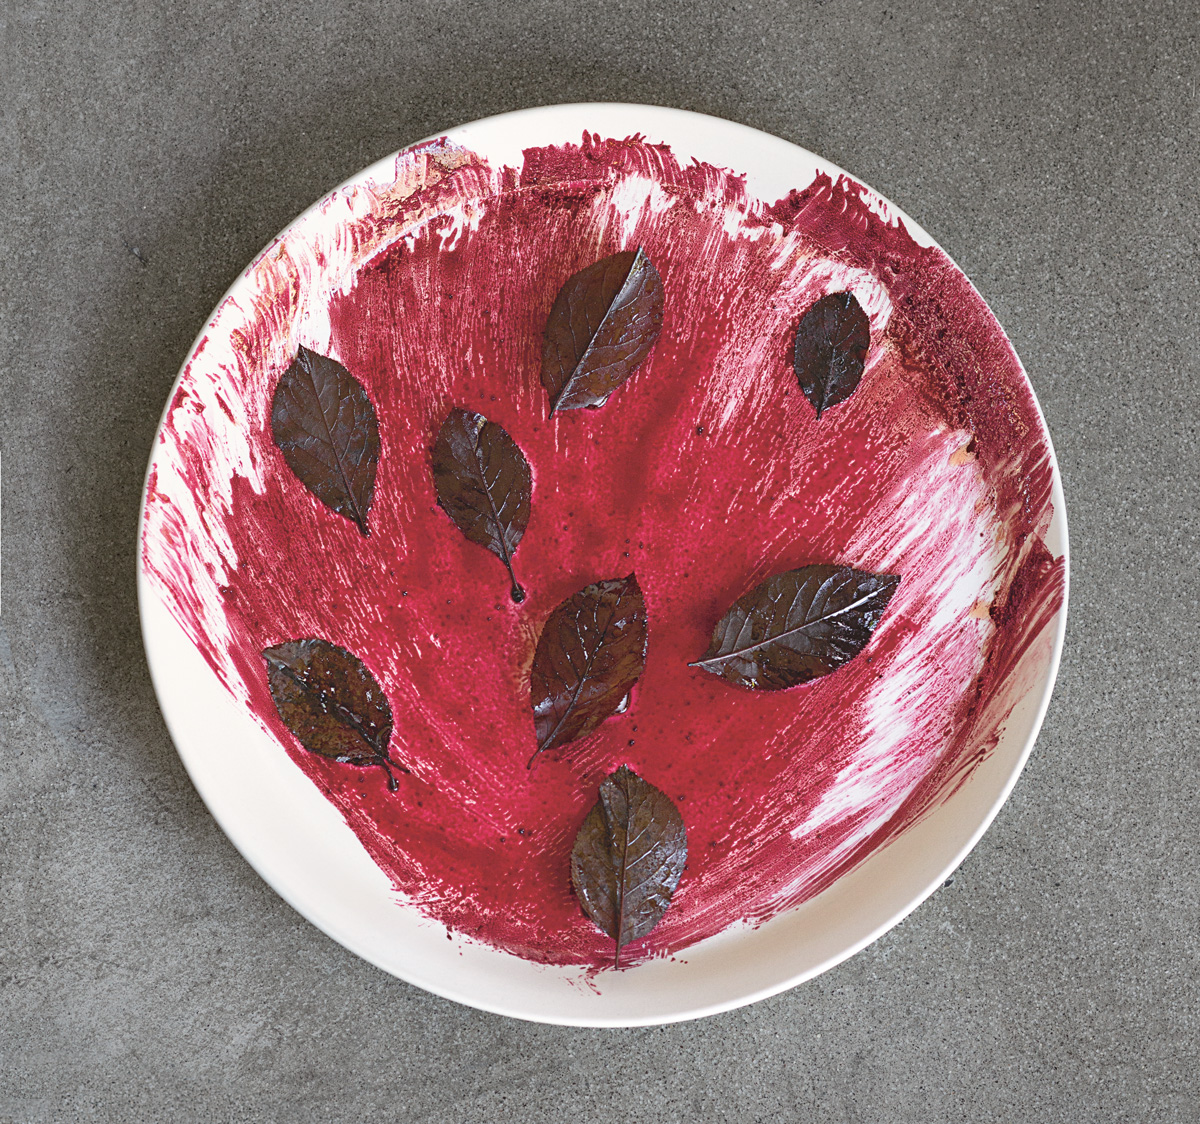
705 474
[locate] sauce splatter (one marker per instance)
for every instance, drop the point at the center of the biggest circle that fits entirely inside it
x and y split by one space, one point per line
706 472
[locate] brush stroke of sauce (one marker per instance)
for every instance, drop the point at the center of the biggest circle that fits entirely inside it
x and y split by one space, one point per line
705 473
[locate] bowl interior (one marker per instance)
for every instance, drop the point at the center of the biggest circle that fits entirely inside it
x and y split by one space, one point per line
289 828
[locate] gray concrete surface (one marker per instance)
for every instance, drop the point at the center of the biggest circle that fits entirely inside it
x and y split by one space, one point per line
148 150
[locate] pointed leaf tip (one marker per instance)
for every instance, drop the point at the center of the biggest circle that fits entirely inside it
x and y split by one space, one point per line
797 626
485 484
832 341
603 324
323 422
591 652
330 701
628 858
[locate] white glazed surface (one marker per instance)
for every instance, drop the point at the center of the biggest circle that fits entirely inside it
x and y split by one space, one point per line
300 844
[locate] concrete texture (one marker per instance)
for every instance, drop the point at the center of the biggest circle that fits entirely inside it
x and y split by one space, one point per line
149 150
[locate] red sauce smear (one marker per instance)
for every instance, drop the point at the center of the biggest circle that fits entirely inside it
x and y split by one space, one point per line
705 473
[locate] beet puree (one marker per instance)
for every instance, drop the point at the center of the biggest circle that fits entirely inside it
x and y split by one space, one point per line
705 473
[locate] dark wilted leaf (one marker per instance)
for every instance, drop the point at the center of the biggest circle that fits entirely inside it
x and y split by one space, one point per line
628 857
484 484
323 421
831 350
797 626
591 652
603 323
331 702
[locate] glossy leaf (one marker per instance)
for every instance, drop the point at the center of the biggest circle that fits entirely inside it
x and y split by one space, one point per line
797 626
831 350
603 324
591 652
332 703
628 858
325 425
484 484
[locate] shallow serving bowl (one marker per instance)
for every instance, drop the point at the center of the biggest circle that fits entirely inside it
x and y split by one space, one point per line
284 824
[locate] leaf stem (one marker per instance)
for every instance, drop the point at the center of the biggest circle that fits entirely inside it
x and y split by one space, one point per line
386 762
517 593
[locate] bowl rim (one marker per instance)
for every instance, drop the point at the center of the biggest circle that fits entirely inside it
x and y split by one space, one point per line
676 128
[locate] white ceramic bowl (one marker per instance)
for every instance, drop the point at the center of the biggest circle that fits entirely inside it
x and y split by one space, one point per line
300 844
